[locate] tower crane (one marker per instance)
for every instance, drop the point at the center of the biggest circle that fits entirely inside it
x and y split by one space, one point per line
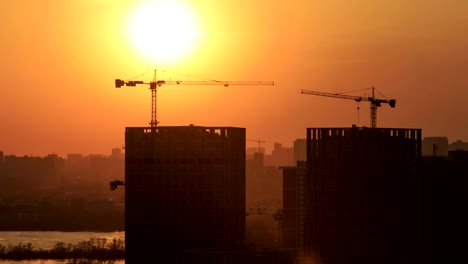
258 141
374 102
155 83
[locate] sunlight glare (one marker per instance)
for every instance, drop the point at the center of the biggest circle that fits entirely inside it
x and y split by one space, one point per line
163 31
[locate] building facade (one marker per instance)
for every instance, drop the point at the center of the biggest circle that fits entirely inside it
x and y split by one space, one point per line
184 190
361 198
294 210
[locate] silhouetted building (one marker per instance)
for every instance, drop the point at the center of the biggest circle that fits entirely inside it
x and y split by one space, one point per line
40 198
31 171
76 168
300 149
294 207
54 174
280 156
435 146
458 145
359 198
1 165
254 173
184 190
116 154
241 256
263 183
263 196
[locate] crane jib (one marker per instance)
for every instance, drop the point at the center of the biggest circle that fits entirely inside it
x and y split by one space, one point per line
374 102
156 83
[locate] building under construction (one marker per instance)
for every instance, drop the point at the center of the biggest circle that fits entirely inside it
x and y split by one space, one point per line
184 190
357 199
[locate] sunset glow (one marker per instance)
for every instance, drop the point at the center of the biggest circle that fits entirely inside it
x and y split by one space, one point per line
198 131
60 60
162 32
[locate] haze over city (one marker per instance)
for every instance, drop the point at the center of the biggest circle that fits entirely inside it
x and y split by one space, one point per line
60 59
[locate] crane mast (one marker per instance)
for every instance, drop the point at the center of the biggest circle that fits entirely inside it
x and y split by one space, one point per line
154 122
155 83
374 102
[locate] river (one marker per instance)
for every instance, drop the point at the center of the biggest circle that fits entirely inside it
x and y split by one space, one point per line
47 239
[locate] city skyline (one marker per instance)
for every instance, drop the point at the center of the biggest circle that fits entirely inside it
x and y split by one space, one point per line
60 60
372 184
251 147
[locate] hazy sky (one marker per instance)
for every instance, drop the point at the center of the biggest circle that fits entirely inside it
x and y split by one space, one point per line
59 59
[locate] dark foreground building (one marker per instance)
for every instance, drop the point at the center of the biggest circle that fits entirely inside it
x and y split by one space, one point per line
445 196
242 256
358 197
184 190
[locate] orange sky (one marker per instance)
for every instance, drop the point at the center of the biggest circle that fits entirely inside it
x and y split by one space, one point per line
59 60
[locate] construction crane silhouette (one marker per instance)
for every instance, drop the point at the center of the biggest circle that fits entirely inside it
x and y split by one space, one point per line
374 102
113 184
155 83
258 141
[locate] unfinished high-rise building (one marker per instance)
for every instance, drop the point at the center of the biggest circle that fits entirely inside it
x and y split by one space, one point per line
358 197
184 190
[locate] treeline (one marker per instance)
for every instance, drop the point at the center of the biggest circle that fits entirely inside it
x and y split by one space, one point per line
93 249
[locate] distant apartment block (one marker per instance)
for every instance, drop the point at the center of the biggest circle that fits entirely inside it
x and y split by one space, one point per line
184 190
458 145
294 209
280 156
440 146
300 149
116 154
435 146
33 171
53 196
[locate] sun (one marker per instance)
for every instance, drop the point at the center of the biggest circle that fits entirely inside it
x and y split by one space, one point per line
163 31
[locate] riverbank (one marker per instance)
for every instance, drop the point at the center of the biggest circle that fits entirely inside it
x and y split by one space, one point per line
92 249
